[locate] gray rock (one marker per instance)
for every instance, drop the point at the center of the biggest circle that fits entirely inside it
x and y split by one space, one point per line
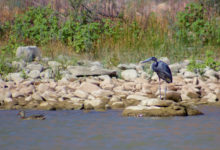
54 65
38 67
95 63
16 77
175 68
28 53
34 74
127 66
47 74
188 74
211 73
129 75
80 71
19 64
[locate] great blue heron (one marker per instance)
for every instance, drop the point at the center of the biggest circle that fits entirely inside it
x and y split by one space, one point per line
162 70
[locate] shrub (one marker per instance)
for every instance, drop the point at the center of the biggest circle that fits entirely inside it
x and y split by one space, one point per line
208 62
193 25
37 25
80 36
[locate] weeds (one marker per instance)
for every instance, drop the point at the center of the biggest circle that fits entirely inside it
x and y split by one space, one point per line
114 41
199 67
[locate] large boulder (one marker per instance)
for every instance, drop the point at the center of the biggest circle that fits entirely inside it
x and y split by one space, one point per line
96 104
129 75
211 98
88 87
28 53
155 111
81 71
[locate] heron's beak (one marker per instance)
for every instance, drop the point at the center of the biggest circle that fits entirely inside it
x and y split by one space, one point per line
147 60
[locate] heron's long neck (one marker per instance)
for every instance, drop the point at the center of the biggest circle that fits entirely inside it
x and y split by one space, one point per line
155 63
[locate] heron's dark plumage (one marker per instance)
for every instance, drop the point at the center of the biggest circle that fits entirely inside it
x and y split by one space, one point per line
162 70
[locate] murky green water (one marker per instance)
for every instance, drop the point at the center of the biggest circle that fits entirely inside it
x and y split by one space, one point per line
109 130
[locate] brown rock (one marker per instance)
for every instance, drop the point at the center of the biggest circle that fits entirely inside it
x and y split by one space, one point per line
173 95
81 94
117 105
88 87
153 111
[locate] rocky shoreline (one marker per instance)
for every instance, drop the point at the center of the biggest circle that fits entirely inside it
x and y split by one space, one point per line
88 86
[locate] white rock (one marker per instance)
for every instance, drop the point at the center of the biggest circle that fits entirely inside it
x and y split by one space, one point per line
129 74
81 94
29 98
16 77
34 74
175 68
188 74
32 66
211 98
102 93
8 99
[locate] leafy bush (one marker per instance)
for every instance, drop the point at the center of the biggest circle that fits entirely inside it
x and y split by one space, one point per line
37 25
80 36
5 67
208 62
193 25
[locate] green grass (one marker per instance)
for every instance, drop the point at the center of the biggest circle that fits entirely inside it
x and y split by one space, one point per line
115 41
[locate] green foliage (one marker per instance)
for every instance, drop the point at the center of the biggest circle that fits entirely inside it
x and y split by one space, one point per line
193 25
24 74
58 75
80 36
37 25
5 67
208 62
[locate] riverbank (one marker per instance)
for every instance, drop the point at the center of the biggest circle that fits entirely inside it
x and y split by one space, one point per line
46 84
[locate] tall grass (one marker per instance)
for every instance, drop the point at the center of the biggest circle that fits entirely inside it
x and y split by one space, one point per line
122 40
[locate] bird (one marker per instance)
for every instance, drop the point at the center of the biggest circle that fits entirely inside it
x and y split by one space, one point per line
163 72
34 117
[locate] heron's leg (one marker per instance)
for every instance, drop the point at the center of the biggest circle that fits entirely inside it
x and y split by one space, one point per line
159 89
165 92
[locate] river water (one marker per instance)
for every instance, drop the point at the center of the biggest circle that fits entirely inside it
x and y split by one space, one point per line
78 130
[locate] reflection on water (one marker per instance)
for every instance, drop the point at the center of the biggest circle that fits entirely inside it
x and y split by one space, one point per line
109 130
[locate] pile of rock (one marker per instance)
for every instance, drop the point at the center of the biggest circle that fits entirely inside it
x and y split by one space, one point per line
93 87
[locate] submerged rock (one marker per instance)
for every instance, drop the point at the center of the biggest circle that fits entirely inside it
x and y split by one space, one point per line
155 111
